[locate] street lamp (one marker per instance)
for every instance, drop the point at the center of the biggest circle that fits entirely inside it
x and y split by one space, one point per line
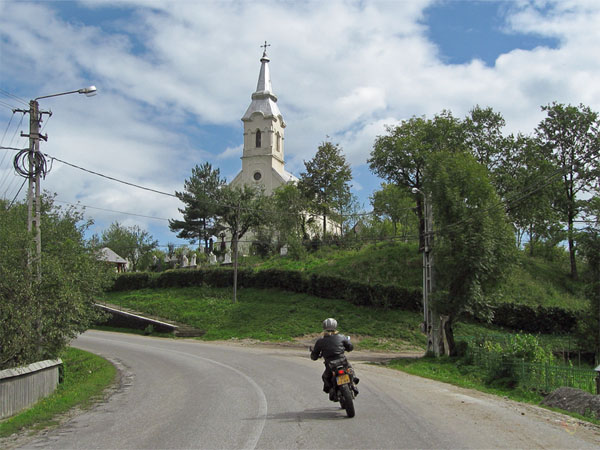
37 167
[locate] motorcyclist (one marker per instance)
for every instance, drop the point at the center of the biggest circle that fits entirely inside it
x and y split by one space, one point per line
331 346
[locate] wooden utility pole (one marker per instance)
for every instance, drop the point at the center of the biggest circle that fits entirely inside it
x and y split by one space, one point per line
34 173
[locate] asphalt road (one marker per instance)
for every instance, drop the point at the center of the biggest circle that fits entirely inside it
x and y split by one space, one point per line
190 394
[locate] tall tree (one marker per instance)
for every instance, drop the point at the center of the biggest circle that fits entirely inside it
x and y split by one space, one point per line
326 181
483 136
131 243
240 209
588 243
528 183
40 317
400 157
395 204
200 211
570 136
473 245
288 214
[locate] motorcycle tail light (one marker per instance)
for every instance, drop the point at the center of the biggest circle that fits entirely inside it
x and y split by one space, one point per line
341 371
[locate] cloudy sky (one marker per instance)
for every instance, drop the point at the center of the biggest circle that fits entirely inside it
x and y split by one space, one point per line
174 77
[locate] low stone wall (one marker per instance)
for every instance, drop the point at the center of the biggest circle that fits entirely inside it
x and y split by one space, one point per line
22 387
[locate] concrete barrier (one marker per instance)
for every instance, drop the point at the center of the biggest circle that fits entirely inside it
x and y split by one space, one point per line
22 387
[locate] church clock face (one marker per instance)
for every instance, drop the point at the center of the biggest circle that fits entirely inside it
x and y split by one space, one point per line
257 176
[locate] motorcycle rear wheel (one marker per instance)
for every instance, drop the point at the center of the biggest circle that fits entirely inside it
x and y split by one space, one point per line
346 400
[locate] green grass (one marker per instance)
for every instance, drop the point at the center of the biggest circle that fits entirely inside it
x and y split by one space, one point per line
386 262
271 315
452 371
85 378
535 281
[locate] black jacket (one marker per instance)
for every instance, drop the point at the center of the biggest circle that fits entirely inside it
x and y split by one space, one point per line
331 346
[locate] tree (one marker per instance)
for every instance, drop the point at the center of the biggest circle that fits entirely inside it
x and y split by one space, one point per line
326 181
528 184
569 135
394 203
200 211
588 242
240 209
287 215
400 157
131 243
474 244
483 136
40 317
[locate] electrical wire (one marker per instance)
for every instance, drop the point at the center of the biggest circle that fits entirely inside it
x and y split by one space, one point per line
14 97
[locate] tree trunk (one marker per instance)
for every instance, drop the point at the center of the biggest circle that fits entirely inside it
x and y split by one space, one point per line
448 335
574 275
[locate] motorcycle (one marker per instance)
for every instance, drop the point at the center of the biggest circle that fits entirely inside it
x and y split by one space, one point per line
342 380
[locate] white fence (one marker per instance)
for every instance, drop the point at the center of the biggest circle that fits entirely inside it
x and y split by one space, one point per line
21 387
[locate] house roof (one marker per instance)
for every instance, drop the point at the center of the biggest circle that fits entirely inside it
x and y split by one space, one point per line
106 254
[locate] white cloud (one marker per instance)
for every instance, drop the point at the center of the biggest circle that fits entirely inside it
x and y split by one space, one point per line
174 78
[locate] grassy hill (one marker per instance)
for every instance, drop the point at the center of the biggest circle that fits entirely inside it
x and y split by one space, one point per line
533 281
279 316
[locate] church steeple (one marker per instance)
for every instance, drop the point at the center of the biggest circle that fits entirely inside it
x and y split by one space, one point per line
264 101
263 153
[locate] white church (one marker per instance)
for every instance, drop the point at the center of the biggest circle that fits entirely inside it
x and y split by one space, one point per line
263 150
263 155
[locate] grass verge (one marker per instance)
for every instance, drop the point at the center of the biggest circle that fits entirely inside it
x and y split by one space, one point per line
85 377
452 371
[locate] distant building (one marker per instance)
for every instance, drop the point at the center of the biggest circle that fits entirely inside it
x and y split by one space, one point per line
107 255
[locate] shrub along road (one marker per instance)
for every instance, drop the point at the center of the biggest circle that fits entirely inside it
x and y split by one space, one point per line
191 394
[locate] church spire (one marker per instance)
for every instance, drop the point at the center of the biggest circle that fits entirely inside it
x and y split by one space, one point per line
264 78
264 101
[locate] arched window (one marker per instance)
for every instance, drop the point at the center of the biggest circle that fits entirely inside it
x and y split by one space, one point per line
278 140
258 139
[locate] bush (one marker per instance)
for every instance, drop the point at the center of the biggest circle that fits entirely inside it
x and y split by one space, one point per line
535 320
499 359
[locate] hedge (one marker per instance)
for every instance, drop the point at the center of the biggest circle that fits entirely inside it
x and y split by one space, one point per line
386 296
509 315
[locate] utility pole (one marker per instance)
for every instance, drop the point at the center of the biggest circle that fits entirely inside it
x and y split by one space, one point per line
431 323
36 171
235 249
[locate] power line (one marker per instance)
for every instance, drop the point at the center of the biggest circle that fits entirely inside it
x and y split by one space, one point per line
8 94
111 178
111 210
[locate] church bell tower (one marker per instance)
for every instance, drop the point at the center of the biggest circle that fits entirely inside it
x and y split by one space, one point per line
263 154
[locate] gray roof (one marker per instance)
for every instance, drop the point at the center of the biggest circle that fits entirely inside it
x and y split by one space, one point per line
106 254
263 100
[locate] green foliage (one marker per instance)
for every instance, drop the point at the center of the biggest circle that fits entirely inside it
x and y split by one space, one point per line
474 245
375 294
395 204
200 198
325 184
40 317
570 136
131 243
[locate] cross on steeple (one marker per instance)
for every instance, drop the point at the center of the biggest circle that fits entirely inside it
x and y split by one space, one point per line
265 45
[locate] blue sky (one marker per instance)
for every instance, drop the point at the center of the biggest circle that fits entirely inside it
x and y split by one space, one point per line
175 77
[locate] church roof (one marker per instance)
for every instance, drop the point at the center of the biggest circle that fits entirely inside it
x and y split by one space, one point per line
264 100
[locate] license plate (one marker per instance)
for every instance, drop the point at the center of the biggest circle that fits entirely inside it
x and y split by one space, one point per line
343 379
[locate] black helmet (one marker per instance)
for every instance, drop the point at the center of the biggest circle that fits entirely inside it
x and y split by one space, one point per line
329 324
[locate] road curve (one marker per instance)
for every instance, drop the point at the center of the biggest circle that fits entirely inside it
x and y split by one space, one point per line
177 394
